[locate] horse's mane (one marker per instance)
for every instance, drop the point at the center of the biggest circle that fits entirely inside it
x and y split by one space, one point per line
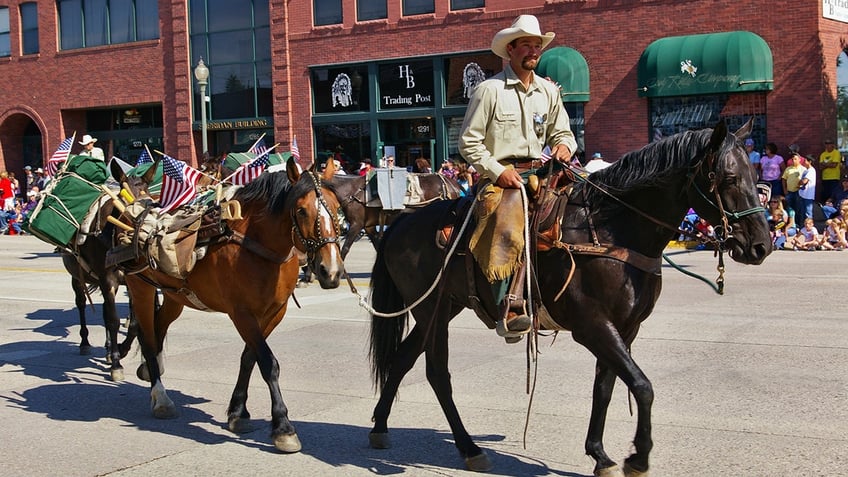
656 165
270 187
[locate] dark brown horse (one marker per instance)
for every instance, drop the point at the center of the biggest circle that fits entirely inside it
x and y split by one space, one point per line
86 263
250 278
361 217
613 232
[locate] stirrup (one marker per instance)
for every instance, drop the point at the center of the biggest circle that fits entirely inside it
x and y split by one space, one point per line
504 330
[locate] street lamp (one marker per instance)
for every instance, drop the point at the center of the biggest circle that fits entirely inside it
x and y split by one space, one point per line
201 73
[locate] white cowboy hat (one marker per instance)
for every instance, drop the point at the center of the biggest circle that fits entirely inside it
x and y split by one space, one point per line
524 25
87 139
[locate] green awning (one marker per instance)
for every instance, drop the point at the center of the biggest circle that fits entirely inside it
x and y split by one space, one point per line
567 67
728 62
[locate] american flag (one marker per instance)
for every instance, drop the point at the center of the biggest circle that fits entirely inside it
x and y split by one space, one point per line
179 183
251 170
60 156
258 148
546 154
294 150
144 158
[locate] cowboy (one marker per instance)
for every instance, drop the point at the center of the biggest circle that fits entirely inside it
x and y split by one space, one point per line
510 118
89 149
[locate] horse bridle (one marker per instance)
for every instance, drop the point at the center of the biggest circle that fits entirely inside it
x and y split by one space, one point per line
313 245
724 231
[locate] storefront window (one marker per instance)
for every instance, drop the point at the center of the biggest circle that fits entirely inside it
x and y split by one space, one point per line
672 115
842 103
463 73
340 89
407 84
349 142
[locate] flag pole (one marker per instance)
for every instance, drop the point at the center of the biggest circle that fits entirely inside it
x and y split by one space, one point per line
246 163
213 178
257 142
61 168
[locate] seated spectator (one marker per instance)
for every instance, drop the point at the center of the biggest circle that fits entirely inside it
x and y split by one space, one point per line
835 233
781 221
807 238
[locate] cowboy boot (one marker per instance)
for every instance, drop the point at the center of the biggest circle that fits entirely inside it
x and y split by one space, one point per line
515 322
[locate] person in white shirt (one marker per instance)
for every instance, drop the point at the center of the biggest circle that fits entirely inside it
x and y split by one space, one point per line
597 163
89 149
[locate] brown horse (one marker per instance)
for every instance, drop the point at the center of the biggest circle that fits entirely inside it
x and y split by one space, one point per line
612 233
361 217
250 277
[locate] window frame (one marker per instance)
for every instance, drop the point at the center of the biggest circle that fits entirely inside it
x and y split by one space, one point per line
24 12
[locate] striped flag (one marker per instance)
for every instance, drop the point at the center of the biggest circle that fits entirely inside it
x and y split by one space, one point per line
294 149
546 154
258 148
179 183
60 156
144 158
251 170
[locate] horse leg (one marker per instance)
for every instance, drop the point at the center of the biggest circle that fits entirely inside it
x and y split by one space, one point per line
282 430
238 418
150 341
80 302
438 375
403 360
132 332
109 287
352 235
614 359
601 395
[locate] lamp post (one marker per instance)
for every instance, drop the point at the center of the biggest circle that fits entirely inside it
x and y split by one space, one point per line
201 73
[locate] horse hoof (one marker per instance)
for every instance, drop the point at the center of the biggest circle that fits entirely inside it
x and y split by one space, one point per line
478 463
117 375
165 412
142 372
614 471
631 472
85 350
288 443
379 440
238 425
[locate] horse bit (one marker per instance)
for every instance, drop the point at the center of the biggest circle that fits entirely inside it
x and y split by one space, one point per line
313 245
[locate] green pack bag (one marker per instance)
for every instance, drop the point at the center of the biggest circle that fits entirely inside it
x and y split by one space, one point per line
67 200
236 159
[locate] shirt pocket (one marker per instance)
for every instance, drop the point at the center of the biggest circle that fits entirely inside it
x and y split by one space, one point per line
506 125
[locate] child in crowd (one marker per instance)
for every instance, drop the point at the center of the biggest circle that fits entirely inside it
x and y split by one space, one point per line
835 234
809 238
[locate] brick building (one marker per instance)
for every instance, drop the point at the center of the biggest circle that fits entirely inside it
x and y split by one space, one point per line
361 79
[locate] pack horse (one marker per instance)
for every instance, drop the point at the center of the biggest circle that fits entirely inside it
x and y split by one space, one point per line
248 275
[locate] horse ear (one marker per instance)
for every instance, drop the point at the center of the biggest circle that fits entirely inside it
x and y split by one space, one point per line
719 135
745 131
292 170
117 172
151 172
330 170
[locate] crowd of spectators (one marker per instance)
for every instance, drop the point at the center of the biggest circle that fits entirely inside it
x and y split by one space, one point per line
805 197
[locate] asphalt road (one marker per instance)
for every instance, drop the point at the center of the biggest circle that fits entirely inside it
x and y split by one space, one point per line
751 383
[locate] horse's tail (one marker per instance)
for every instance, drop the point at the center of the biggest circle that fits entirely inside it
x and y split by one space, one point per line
386 333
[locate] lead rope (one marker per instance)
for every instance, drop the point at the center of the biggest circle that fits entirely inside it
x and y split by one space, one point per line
364 303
